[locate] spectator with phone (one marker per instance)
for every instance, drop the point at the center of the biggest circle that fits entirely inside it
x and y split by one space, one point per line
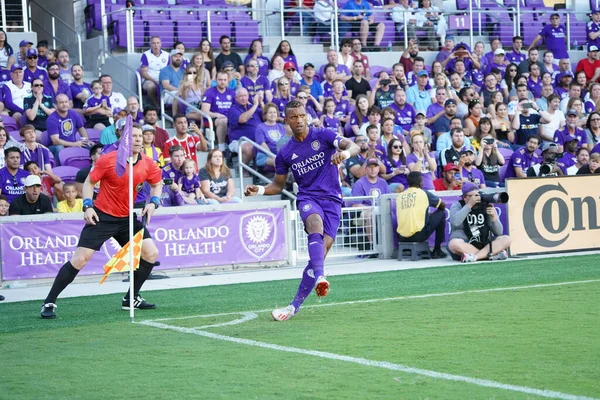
421 161
525 123
450 179
395 166
489 160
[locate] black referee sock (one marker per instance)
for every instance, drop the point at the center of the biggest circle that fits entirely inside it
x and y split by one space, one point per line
140 276
65 276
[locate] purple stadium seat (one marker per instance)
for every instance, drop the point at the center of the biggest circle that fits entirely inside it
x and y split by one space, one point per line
77 157
163 3
462 4
244 32
9 123
506 153
45 139
529 32
577 29
16 136
52 160
66 173
121 32
188 2
179 14
188 33
93 134
502 172
219 26
164 29
377 69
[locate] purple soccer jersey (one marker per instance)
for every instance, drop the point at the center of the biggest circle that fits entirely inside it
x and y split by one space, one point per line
248 128
363 187
12 185
535 87
331 122
555 40
219 102
425 172
341 107
253 87
294 87
522 159
76 89
263 64
515 57
328 90
474 175
561 135
29 76
62 88
189 185
65 127
592 27
405 117
41 156
170 172
281 103
390 166
354 118
269 134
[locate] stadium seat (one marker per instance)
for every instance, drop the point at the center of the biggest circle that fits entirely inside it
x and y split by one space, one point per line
506 153
120 32
77 157
502 172
414 251
164 29
9 123
66 173
188 33
16 136
219 26
93 134
45 139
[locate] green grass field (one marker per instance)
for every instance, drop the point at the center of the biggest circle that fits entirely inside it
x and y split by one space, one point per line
435 333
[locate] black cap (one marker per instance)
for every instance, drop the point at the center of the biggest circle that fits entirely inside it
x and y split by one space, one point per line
309 65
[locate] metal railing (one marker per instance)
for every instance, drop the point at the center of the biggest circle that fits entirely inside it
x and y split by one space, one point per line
209 133
13 13
52 32
244 167
138 78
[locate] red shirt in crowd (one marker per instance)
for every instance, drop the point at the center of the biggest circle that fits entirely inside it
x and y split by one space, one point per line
189 146
438 184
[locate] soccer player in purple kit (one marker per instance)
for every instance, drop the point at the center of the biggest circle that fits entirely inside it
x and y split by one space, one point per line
313 155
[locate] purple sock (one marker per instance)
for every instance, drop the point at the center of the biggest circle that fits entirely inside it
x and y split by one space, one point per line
316 253
306 286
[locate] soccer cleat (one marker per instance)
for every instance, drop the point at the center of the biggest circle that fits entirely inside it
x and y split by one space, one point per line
322 287
282 314
468 258
48 311
138 304
503 255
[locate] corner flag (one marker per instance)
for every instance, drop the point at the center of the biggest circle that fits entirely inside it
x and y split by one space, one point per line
120 260
125 147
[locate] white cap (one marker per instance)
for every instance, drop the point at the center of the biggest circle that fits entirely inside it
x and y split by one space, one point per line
32 180
499 51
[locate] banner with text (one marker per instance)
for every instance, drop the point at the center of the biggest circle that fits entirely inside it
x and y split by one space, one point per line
555 214
38 249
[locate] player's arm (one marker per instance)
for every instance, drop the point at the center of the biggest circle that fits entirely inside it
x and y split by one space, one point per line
274 187
346 149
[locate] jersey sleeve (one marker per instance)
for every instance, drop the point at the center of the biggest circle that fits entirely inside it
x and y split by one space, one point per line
331 137
281 167
434 201
143 61
99 169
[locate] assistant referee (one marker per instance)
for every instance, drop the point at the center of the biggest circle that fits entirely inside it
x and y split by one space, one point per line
108 217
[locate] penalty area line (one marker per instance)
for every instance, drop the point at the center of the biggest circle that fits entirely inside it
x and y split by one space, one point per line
371 363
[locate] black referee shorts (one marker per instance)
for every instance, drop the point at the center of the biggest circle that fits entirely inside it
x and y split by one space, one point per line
94 236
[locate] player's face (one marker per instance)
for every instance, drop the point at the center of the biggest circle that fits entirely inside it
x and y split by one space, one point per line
297 120
137 140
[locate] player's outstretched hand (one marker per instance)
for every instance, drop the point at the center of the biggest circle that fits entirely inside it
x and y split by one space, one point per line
338 157
251 190
90 216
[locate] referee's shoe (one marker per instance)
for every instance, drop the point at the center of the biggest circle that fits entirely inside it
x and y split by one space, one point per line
138 304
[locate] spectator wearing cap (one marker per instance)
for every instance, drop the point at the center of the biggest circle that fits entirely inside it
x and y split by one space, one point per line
80 90
42 49
533 58
171 75
31 70
553 35
15 91
498 62
228 55
473 227
446 51
357 85
570 130
289 73
38 106
254 83
569 158
11 175
549 165
468 171
450 179
442 123
111 133
63 125
33 201
24 45
563 82
113 99
62 58
591 64
233 77
420 128
55 86
308 74
415 224
7 58
593 167
97 109
524 158
452 154
516 56
357 17
151 63
461 52
592 29
149 148
417 95
217 102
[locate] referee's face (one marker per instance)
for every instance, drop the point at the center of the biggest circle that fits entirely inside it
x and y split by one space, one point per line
138 140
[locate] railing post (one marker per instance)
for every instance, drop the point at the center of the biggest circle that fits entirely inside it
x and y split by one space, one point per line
53 32
26 9
335 38
569 33
405 28
3 9
301 20
518 19
282 21
104 28
208 30
471 22
130 31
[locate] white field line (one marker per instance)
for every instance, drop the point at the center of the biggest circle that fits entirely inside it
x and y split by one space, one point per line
418 296
370 363
247 316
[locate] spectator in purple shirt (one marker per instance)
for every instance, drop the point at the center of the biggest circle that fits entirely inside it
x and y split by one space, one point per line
244 118
42 49
31 70
515 56
216 102
284 49
255 52
421 161
498 62
80 90
405 113
55 85
469 171
62 58
11 176
254 82
523 158
534 82
268 134
554 35
63 125
33 151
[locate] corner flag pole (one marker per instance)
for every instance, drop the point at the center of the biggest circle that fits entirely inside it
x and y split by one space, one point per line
131 295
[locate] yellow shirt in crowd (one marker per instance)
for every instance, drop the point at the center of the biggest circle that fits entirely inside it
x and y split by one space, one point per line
63 206
412 210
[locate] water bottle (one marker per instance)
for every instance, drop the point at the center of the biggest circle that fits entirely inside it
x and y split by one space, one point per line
390 46
16 285
575 47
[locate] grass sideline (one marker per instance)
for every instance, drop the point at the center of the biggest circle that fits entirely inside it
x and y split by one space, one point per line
545 338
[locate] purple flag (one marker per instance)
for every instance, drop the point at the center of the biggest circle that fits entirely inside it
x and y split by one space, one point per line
124 150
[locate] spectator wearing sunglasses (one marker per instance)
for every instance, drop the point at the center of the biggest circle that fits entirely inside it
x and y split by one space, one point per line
38 106
31 70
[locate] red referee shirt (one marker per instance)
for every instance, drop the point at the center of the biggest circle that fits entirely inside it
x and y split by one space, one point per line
113 197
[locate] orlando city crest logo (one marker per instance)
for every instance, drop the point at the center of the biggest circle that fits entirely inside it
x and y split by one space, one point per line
257 233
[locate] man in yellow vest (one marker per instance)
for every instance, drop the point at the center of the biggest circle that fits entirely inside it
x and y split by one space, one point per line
415 224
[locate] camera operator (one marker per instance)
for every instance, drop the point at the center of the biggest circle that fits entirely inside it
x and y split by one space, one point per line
471 220
549 165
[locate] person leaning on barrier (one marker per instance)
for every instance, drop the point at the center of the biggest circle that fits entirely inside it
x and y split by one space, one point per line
415 224
471 221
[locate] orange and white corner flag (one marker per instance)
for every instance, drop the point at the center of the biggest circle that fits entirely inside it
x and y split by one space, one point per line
120 260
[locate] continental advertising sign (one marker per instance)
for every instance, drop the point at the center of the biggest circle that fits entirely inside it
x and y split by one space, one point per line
549 215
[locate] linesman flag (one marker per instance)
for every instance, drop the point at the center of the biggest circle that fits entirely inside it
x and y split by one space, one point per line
120 260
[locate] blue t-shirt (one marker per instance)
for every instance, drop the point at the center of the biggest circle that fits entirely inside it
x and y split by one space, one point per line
353 9
310 162
316 89
169 74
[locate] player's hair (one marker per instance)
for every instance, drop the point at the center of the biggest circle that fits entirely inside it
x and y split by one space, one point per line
27 127
12 149
291 105
415 179
29 164
210 169
174 149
